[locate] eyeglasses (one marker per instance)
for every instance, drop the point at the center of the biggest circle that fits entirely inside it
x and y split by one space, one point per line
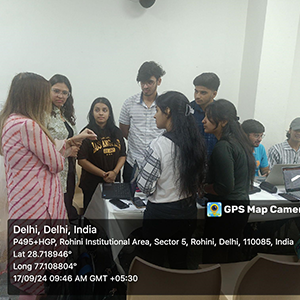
258 136
65 94
149 83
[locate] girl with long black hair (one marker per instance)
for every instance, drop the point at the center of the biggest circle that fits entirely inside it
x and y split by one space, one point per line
230 173
101 160
172 172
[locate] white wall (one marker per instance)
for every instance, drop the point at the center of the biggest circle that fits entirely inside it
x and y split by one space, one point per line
256 15
100 44
277 100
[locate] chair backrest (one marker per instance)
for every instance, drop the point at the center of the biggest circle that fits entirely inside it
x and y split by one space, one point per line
155 280
268 275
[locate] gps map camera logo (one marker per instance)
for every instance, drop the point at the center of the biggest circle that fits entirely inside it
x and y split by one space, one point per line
214 209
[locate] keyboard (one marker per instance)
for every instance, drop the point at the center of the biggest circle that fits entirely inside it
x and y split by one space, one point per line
122 189
289 197
116 190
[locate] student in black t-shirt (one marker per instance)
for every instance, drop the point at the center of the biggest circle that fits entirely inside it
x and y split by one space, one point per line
101 160
231 170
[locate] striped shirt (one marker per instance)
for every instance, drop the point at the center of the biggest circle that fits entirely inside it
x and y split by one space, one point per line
34 191
283 153
142 126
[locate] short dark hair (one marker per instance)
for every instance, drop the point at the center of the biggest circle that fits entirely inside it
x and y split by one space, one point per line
149 69
253 126
208 80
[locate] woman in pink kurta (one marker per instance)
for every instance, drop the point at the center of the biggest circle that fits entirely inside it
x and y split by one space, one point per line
32 164
34 192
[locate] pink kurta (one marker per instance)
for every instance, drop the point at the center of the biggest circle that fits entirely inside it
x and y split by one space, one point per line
32 164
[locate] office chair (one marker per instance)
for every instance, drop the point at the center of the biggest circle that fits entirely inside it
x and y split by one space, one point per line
156 282
269 275
265 277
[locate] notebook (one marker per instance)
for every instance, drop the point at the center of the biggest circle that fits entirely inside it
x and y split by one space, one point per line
292 181
124 190
276 176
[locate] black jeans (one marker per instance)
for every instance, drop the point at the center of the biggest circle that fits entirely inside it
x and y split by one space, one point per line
173 223
127 171
69 195
228 226
87 195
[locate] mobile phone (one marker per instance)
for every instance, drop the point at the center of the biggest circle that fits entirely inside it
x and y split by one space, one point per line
138 202
118 203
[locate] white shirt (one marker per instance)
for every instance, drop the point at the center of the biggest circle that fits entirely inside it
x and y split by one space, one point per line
157 178
142 126
283 153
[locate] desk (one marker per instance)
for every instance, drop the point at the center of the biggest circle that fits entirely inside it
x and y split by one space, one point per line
119 223
266 199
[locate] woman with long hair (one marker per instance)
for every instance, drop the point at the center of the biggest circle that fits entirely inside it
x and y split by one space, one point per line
101 160
171 174
62 126
32 163
230 174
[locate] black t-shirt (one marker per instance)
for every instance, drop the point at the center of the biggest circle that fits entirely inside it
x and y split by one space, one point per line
229 172
103 153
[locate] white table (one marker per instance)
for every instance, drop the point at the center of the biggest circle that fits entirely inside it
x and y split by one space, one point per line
119 223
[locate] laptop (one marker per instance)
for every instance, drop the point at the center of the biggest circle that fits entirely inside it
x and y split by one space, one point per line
292 182
124 190
276 176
